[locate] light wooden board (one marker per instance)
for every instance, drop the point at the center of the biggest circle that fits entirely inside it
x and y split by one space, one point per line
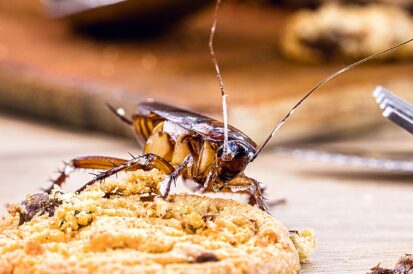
360 217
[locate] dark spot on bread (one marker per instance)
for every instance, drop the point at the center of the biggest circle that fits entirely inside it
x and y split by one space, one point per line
107 195
206 257
208 217
148 198
255 226
37 204
294 232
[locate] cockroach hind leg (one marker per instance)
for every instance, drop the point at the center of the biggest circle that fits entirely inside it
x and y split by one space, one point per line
145 162
86 162
63 175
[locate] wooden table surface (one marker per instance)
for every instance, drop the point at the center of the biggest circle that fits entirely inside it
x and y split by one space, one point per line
360 217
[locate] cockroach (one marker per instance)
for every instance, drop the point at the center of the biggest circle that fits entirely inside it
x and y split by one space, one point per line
178 142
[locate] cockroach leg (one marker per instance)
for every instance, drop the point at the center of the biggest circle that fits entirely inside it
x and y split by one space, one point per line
131 155
217 186
273 202
166 186
242 184
252 187
256 196
206 183
145 162
86 162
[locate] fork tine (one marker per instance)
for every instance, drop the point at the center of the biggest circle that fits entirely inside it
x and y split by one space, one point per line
394 108
402 110
399 118
384 98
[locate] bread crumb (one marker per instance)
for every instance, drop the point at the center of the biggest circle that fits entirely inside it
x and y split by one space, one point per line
305 243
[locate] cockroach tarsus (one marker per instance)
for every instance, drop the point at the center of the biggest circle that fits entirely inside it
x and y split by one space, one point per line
177 142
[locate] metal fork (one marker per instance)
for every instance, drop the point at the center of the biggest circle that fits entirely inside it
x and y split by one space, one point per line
394 108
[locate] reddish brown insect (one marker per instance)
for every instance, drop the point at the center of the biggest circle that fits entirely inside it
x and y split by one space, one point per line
212 154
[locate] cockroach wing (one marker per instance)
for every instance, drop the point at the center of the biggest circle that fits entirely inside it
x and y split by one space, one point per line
209 128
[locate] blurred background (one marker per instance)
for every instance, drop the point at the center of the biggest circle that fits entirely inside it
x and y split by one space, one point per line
62 60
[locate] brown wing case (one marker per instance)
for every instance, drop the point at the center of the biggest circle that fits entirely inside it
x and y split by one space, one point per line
209 128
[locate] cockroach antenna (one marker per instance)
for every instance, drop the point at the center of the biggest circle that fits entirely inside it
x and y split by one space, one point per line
219 77
318 85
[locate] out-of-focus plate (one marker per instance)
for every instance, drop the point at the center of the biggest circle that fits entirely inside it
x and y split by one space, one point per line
122 14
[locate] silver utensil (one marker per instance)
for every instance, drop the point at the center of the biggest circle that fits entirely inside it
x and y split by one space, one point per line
394 108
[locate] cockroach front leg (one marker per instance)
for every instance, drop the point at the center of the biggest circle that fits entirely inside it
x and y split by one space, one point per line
86 162
166 186
256 197
256 191
250 186
242 184
145 162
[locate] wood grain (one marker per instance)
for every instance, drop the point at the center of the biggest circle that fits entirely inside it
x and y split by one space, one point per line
360 217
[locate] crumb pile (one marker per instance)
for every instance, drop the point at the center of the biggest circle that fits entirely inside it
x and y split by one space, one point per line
121 226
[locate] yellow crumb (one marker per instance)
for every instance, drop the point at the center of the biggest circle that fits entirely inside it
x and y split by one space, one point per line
305 242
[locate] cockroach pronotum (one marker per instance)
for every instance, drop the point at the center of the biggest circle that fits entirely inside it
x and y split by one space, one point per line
211 153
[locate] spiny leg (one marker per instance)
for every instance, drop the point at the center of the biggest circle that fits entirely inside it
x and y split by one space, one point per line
242 184
269 203
166 187
210 178
86 162
145 162
255 191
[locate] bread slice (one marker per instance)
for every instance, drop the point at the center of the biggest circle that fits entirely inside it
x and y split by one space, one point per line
121 226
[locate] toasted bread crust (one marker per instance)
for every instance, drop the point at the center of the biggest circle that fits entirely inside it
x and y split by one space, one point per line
126 232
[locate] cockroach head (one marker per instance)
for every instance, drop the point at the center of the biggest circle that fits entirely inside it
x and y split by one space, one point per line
233 163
